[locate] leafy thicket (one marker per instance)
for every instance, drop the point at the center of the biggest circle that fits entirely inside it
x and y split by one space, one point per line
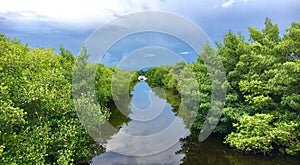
38 122
262 108
49 111
264 89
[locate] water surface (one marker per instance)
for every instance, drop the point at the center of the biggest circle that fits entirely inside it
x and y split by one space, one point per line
153 134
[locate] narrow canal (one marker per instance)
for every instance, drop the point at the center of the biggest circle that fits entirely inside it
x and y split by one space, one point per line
153 134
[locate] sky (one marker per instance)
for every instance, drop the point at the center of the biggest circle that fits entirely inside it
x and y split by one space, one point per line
51 23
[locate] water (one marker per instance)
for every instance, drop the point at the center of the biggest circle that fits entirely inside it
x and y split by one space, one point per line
153 134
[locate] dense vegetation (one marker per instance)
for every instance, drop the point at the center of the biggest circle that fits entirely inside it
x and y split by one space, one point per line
38 120
39 125
262 108
263 98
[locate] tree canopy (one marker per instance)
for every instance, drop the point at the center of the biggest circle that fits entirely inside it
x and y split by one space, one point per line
262 106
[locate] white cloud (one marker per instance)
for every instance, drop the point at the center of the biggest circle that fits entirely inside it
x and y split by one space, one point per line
59 9
72 12
109 59
91 14
227 3
149 55
185 53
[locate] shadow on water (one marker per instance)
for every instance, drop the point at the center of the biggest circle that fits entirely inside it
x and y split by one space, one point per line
152 114
212 151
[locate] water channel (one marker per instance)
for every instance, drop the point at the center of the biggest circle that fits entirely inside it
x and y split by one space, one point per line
153 134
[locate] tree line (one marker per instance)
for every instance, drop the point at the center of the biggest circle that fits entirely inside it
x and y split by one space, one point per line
262 107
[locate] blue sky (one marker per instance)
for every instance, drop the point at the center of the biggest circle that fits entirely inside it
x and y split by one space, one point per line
69 23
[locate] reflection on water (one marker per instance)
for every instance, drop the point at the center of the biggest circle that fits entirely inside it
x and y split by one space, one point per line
152 135
167 157
213 152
